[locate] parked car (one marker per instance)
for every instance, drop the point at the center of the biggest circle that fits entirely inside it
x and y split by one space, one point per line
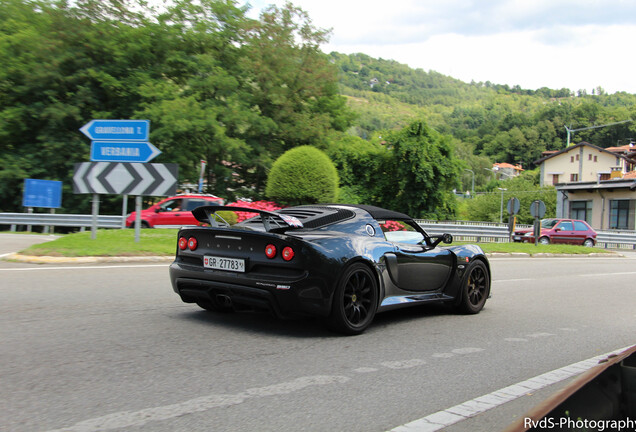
173 212
342 263
562 231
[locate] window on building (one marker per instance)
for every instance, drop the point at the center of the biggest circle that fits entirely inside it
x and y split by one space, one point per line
571 158
605 177
577 157
574 177
619 214
581 210
555 179
595 158
589 157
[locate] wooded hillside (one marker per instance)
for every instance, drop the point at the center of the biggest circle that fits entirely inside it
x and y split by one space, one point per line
239 92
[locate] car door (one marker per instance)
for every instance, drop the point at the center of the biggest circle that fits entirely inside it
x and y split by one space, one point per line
580 232
564 233
169 213
418 267
421 268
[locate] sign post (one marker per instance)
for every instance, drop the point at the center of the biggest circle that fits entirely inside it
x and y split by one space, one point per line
537 210
42 193
513 207
126 142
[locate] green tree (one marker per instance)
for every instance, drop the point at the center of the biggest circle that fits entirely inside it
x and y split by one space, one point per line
486 206
421 173
292 86
303 175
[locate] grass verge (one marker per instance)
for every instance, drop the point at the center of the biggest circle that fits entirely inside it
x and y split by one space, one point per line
152 242
531 249
158 242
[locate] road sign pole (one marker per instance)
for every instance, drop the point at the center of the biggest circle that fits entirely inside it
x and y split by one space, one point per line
137 218
95 213
124 211
29 210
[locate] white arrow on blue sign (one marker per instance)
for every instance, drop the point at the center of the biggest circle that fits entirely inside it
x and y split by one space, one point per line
123 151
117 130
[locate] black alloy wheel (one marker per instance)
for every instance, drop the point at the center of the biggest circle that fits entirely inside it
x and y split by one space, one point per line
355 300
476 288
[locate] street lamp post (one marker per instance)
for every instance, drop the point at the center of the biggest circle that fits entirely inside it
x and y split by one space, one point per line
472 190
501 210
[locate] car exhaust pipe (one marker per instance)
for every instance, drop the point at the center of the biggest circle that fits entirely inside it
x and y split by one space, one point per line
224 301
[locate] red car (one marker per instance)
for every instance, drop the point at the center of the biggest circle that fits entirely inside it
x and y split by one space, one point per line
563 231
173 212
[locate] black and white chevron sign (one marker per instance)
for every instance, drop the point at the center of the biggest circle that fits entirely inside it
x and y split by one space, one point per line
125 178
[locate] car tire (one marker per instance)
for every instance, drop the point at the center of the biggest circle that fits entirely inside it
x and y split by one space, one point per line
544 240
355 300
144 224
588 243
475 288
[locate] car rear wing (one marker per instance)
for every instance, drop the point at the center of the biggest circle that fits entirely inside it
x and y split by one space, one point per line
271 221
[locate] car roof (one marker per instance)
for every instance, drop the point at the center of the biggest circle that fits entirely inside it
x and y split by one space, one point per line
375 212
380 213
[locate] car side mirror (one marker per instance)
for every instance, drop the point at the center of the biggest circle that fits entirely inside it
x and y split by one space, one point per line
158 210
444 238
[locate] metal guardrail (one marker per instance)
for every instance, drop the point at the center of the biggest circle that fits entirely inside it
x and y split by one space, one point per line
461 230
495 232
616 239
62 220
491 232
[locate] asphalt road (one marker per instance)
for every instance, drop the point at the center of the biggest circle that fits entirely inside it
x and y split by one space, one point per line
87 348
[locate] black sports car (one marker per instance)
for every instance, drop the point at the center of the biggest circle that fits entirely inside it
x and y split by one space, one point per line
341 262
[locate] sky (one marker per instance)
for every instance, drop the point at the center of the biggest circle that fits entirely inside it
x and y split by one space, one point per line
575 44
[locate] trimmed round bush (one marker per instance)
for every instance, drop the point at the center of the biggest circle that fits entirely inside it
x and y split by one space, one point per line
303 175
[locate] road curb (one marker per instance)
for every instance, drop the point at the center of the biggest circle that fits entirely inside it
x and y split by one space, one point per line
34 259
553 255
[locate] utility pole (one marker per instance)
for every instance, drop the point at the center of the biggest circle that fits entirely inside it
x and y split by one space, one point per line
570 131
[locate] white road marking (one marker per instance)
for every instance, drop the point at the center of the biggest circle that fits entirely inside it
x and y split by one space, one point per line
540 335
443 355
83 267
365 370
511 280
404 364
467 350
129 419
607 274
471 408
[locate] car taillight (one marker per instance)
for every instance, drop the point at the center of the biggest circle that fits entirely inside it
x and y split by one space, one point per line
288 253
183 243
270 251
192 243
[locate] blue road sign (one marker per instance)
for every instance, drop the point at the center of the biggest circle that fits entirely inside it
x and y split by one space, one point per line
117 130
42 193
122 151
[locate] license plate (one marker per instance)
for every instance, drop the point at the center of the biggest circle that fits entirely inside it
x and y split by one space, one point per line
227 264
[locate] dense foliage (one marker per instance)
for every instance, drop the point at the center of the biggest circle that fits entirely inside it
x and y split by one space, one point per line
412 170
239 92
215 85
489 122
303 175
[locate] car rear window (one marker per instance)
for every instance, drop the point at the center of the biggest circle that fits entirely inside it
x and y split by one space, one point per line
580 226
191 204
566 226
